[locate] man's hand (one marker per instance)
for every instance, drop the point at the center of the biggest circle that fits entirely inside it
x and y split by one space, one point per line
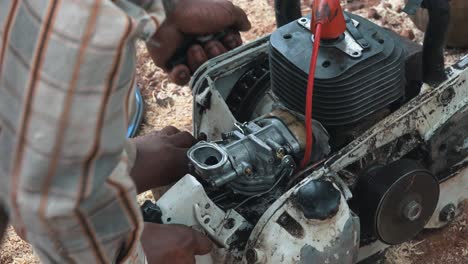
175 244
161 158
197 17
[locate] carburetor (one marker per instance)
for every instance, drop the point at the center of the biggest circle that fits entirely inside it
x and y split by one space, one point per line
257 155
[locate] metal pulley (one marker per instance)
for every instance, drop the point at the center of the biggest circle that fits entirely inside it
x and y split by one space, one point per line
397 200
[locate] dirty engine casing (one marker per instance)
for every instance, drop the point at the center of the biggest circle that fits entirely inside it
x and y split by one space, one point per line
374 139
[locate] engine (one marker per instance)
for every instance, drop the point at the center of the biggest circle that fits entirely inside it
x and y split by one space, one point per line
360 74
375 176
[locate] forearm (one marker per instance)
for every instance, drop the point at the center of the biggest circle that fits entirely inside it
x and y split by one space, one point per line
142 183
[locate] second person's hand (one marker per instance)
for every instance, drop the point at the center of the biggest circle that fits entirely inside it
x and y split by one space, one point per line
197 17
174 244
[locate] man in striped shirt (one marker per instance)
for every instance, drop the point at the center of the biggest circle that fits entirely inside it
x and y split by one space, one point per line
68 176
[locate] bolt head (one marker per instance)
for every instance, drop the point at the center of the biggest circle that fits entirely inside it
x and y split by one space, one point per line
412 211
446 97
251 256
448 213
230 223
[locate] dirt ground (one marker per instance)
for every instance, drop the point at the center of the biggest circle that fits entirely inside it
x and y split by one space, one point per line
168 104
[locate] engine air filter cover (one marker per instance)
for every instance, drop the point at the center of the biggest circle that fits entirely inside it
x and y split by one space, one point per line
397 200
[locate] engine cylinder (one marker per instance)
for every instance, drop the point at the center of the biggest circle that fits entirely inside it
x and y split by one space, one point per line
348 87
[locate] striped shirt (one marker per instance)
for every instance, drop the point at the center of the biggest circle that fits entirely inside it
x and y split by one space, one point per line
67 69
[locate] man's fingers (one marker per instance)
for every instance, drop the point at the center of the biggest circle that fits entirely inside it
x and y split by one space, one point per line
182 140
239 39
169 130
203 244
214 48
200 18
196 56
180 74
231 40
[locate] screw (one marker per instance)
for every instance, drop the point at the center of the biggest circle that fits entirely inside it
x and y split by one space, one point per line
412 210
255 256
207 206
230 222
446 97
248 171
280 153
447 213
251 256
206 221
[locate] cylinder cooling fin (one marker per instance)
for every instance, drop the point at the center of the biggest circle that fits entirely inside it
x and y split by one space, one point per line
347 87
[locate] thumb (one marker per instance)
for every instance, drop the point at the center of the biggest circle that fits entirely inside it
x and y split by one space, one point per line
206 17
164 44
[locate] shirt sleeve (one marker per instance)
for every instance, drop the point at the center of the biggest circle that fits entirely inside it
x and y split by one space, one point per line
67 69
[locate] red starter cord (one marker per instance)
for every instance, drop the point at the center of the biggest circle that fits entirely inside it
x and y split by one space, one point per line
310 94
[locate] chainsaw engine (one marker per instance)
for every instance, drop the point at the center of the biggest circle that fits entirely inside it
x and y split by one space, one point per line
360 76
372 180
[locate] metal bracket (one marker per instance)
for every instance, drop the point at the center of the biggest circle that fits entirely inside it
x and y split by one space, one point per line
187 203
348 44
